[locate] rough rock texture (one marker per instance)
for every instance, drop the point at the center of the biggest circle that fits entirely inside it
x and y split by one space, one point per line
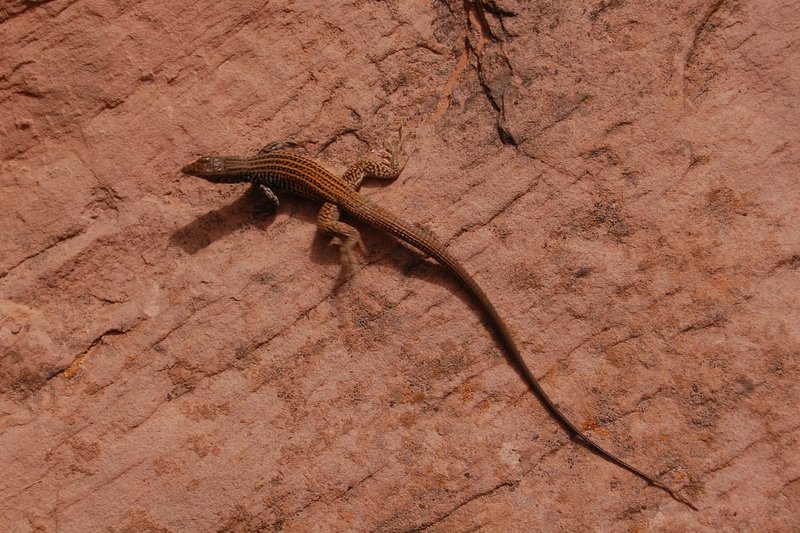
621 177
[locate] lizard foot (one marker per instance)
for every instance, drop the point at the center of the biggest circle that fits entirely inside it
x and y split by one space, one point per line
346 247
393 154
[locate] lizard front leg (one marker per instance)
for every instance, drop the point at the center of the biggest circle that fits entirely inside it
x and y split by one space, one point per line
261 191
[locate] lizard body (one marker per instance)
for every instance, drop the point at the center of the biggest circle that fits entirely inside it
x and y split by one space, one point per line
277 166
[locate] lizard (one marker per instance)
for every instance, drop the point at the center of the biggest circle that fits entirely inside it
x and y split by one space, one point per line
279 166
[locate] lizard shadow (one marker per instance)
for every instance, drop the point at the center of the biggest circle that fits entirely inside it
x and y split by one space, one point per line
251 209
245 211
379 249
391 253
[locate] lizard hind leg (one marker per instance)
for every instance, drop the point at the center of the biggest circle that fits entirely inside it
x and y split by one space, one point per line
348 236
388 164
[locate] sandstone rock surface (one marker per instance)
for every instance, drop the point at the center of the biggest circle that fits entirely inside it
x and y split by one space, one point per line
621 178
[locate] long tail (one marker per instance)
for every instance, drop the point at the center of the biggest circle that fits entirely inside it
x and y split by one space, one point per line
382 219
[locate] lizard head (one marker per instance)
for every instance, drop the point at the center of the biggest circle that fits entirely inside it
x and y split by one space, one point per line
214 169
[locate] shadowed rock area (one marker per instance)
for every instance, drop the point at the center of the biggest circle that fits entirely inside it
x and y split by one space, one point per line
620 177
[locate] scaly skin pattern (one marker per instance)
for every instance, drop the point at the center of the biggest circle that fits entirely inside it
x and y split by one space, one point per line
277 166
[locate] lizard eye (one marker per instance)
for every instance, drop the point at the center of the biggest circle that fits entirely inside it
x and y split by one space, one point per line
216 164
211 164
